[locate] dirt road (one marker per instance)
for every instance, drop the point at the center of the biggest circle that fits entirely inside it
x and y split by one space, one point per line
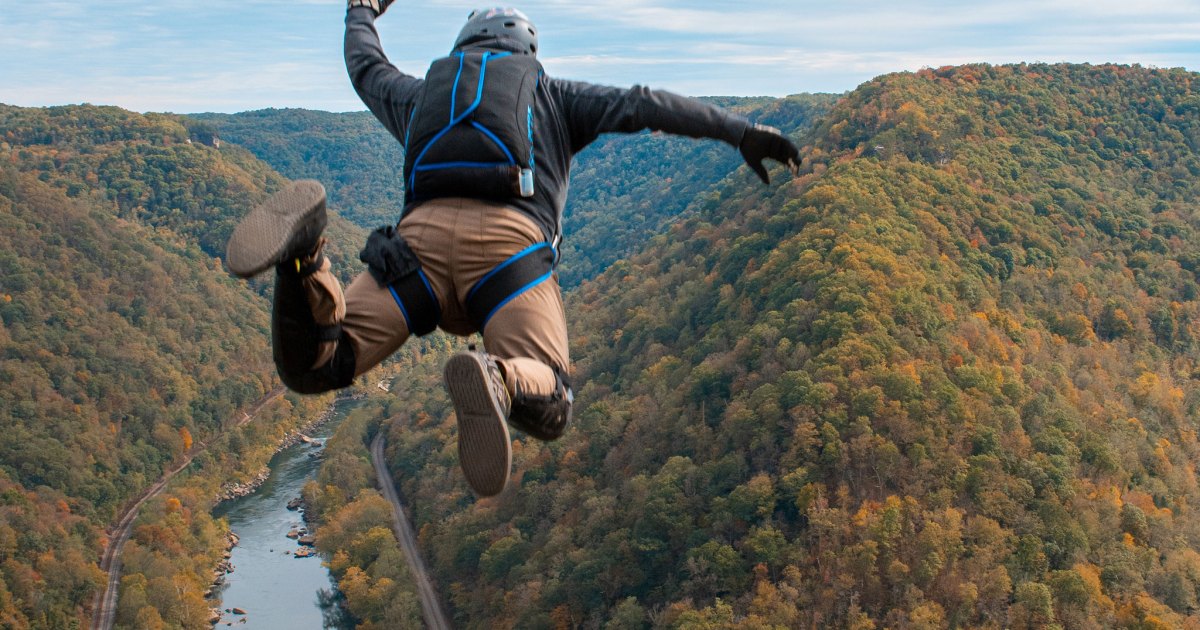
435 617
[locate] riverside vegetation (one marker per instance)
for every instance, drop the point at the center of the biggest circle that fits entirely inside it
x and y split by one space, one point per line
124 344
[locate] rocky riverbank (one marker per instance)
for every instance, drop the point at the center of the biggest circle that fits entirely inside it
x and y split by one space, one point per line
237 489
225 566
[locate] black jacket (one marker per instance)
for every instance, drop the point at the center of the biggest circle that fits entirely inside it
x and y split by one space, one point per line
569 115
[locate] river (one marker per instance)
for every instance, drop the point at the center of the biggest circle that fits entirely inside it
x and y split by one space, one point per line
273 587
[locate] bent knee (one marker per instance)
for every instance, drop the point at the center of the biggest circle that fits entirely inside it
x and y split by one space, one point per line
336 373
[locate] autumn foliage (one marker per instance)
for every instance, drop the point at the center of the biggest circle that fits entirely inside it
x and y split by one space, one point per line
124 345
943 378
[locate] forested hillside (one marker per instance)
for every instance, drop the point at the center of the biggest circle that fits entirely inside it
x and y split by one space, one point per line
624 189
358 161
946 377
124 343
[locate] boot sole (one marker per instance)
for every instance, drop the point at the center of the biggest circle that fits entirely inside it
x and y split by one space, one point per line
263 236
484 449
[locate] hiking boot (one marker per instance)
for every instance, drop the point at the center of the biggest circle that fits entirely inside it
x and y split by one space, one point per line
286 226
482 404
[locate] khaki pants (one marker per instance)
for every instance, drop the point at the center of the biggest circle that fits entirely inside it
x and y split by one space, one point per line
458 241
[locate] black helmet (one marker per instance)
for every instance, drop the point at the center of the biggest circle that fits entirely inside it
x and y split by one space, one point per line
498 23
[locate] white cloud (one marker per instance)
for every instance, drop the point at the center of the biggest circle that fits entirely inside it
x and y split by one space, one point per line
828 23
280 85
227 55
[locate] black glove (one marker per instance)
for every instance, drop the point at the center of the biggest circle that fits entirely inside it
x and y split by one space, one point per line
379 6
761 142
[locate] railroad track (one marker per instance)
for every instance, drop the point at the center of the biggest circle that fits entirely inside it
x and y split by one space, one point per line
105 605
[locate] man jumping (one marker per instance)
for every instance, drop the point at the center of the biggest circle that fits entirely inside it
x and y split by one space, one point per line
489 139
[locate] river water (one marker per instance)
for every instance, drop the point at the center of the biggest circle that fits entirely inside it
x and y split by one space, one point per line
276 589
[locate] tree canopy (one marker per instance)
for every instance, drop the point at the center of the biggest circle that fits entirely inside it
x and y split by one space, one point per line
944 377
123 345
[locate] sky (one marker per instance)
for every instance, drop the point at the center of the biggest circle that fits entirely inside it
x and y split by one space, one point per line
189 56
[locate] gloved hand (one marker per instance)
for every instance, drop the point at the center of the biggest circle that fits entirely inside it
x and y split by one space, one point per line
379 6
761 142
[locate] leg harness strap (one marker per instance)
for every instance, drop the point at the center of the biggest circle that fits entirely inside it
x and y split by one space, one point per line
523 271
417 302
332 332
394 265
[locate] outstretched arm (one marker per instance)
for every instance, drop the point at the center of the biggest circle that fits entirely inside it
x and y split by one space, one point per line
591 110
386 91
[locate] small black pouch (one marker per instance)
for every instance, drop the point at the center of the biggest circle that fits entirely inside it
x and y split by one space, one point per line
388 256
